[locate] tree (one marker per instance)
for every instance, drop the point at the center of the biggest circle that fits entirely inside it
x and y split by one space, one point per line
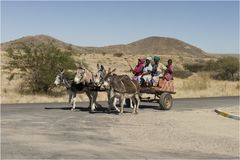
38 65
227 67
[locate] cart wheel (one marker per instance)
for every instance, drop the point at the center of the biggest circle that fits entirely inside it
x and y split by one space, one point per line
165 101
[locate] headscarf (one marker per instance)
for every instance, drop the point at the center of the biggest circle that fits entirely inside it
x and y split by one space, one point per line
156 58
141 60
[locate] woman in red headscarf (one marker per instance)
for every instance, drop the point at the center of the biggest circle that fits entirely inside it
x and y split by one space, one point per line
138 70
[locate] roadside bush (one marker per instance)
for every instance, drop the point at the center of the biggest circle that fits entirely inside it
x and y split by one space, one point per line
210 66
118 54
182 74
194 67
38 65
227 68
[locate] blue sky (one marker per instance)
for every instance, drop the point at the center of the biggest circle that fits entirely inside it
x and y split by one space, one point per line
211 26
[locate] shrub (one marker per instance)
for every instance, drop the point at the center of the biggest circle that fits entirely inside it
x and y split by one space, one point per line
182 73
210 66
227 68
38 65
195 67
118 54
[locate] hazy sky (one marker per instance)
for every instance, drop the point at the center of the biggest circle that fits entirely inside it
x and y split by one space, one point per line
211 26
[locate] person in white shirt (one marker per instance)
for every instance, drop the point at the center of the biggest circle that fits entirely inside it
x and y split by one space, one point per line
147 71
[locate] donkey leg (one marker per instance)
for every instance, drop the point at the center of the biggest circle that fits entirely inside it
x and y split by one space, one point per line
122 100
109 97
73 101
114 104
89 97
95 100
91 105
70 98
73 104
131 103
135 104
110 102
138 103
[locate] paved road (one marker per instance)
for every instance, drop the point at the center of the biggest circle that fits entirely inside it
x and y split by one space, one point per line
51 131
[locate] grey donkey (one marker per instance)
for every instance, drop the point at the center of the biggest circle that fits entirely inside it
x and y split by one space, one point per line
72 88
122 87
101 82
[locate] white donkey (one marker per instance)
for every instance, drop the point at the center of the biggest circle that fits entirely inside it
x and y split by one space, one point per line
73 89
86 77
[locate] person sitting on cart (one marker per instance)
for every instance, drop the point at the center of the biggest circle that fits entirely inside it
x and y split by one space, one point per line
147 72
168 75
158 70
138 70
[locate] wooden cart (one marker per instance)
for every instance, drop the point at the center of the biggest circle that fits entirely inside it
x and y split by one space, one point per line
162 94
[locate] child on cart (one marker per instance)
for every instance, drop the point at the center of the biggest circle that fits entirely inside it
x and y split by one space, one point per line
168 75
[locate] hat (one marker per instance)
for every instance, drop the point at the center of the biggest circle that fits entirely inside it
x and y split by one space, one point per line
149 58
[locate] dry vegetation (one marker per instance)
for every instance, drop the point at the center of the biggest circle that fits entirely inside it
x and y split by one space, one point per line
197 85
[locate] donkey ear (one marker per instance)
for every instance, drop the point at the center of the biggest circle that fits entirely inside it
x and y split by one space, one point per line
98 66
114 70
62 71
102 68
77 65
81 63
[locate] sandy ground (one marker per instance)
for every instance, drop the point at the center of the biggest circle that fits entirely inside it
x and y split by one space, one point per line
196 131
185 132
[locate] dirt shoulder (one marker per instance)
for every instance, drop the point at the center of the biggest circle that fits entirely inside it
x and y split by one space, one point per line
198 131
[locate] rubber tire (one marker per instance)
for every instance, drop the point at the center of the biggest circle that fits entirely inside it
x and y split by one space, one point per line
162 101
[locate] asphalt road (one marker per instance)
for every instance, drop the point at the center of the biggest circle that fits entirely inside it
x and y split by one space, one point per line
51 131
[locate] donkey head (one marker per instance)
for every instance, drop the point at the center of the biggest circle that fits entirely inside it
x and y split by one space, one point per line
107 78
80 74
99 77
59 78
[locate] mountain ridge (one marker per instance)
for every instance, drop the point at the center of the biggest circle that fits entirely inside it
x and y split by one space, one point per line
147 46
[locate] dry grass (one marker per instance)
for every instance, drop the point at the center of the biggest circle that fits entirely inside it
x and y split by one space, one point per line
198 85
196 82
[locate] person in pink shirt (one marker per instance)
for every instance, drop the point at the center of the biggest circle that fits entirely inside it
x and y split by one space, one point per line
169 71
138 70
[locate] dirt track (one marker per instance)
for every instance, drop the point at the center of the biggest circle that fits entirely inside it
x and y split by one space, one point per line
190 130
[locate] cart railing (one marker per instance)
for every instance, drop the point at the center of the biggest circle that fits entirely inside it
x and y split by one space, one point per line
163 86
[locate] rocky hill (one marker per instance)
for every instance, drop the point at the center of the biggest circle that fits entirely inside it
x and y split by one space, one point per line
148 46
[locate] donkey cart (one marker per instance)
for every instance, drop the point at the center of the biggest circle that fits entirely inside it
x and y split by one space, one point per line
162 94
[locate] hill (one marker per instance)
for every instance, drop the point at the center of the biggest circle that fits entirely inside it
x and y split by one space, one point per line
38 40
157 45
147 46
